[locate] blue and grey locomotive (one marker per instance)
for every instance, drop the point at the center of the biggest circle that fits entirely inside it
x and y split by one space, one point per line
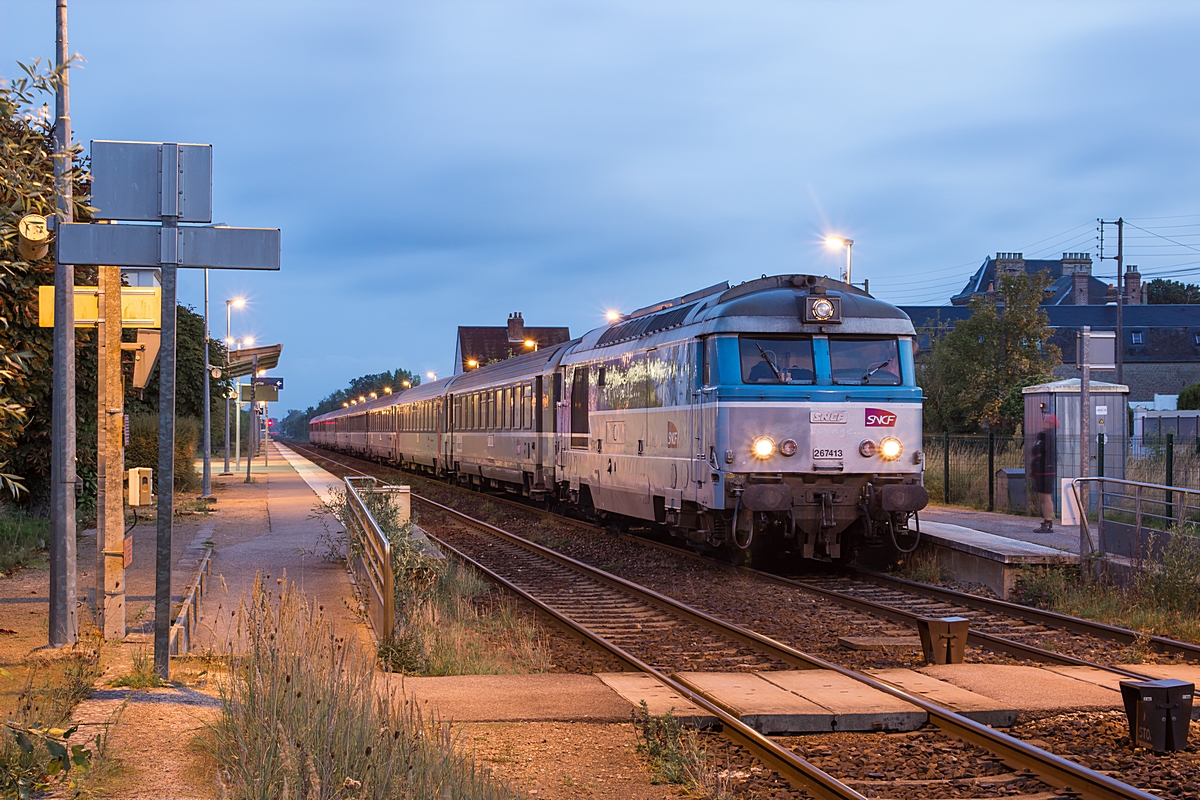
778 415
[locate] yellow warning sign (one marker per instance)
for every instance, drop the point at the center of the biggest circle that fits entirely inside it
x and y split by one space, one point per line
141 306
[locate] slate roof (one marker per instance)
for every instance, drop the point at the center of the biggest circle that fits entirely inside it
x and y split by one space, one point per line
1059 291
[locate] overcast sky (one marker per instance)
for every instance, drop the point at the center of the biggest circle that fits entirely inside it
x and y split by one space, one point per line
435 164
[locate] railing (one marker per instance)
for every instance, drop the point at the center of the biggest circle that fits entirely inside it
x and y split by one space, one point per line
371 556
1134 519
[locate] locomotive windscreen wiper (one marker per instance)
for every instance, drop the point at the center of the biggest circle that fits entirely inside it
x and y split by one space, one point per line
771 364
871 370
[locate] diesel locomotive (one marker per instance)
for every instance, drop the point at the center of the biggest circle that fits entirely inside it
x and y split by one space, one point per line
779 416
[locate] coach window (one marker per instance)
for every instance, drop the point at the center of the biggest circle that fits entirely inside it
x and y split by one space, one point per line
527 407
865 361
776 360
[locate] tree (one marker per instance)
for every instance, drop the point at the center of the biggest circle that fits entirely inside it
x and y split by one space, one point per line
189 372
1189 398
1161 291
973 370
27 187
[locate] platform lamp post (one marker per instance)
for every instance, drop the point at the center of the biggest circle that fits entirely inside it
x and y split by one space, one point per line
236 302
835 242
237 404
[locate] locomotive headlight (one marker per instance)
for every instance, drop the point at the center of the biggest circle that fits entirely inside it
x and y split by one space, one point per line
787 447
890 448
763 447
822 309
867 448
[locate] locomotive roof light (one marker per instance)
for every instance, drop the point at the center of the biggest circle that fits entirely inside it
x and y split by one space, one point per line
867 448
787 447
890 448
763 447
822 309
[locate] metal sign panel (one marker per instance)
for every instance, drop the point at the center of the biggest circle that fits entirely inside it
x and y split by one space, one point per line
140 246
1102 352
127 180
260 381
262 394
228 248
141 306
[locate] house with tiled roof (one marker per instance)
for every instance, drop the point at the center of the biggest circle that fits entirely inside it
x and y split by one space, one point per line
477 346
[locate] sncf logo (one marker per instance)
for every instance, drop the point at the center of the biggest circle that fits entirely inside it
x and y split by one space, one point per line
880 418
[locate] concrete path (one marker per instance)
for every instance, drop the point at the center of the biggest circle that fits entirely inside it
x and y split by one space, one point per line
1010 526
285 541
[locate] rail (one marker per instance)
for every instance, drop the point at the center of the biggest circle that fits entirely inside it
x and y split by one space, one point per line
370 554
1133 519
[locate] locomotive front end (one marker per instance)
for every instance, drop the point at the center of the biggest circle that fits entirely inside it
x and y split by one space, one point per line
813 419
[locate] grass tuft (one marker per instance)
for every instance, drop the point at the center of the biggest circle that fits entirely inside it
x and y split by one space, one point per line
675 754
303 717
23 541
143 675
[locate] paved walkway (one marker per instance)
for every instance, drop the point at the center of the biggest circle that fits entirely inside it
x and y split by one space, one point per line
283 541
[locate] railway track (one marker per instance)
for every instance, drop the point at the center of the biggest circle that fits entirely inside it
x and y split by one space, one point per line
657 634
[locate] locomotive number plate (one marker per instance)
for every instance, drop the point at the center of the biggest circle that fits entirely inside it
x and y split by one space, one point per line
824 452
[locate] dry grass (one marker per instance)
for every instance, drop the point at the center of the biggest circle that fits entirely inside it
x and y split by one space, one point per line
303 717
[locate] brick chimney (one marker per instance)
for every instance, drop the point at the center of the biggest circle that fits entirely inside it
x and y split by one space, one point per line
1010 263
1079 267
516 327
1133 286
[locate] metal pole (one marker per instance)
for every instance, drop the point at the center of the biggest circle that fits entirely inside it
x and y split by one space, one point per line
1170 477
266 434
169 254
946 467
228 344
237 421
64 626
991 462
253 420
1120 298
1085 435
206 434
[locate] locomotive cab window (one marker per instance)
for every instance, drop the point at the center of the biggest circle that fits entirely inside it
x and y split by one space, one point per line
775 360
865 361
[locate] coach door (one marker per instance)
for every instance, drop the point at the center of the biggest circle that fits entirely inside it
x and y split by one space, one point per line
704 416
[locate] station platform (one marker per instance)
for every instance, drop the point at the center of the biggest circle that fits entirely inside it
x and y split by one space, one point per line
989 548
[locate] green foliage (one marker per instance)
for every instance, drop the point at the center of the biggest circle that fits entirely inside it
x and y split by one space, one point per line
674 751
295 424
142 676
1189 398
189 373
143 447
23 541
1162 291
972 370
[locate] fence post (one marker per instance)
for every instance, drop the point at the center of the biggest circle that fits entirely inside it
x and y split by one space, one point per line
1100 458
1170 473
991 471
946 467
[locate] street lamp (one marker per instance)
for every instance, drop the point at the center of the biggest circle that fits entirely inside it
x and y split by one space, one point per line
834 242
531 345
431 375
236 302
472 363
406 384
612 316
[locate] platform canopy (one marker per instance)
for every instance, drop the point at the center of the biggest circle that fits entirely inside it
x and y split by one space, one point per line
241 362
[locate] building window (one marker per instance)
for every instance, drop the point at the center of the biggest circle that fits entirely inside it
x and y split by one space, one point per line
1196 339
1137 337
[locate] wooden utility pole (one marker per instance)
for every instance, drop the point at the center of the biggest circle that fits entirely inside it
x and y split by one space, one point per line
110 461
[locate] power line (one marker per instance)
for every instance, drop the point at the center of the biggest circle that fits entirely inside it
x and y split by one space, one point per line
1164 238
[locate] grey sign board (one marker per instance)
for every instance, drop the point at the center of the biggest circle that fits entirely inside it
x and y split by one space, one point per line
127 180
262 394
215 247
1102 354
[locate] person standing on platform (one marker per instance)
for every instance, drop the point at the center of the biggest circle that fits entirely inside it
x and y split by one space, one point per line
1044 470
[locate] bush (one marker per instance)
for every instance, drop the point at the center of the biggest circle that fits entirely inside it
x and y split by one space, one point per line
143 448
23 541
1189 398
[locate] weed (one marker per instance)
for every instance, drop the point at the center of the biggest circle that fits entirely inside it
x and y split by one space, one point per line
143 675
922 566
302 715
23 541
675 754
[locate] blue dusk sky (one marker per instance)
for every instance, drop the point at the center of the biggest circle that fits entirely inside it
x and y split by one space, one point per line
435 164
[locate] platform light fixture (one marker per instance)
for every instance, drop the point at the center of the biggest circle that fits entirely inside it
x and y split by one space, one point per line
531 345
472 363
374 396
406 384
834 242
387 390
613 316
431 375
345 405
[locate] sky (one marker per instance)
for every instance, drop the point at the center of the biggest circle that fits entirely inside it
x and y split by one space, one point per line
443 163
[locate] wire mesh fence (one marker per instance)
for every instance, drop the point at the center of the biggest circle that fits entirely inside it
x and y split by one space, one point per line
992 472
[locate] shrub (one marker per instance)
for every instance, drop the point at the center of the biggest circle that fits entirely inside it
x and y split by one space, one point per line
1189 398
23 540
143 447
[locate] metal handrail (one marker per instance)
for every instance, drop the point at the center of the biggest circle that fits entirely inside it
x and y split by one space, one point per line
1175 502
371 560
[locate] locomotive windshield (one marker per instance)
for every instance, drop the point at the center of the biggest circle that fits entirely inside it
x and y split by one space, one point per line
865 362
777 360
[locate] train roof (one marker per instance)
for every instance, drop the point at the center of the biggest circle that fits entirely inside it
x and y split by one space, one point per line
769 305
